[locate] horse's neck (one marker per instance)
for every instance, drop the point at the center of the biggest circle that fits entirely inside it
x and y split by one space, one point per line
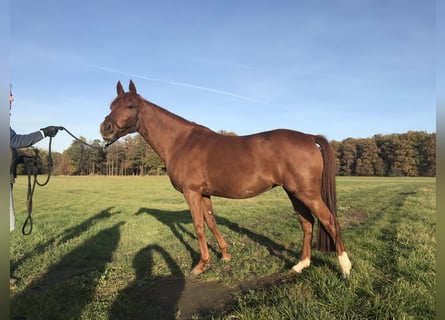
163 130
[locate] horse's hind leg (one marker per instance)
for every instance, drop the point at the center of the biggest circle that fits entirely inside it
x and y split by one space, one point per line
211 223
330 223
307 222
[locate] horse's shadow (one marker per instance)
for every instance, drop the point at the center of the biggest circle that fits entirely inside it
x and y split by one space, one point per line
176 220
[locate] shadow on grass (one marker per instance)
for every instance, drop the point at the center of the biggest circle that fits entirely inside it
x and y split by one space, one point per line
68 285
64 236
175 220
176 296
148 296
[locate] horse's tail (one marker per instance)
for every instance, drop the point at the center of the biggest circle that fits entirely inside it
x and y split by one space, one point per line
328 192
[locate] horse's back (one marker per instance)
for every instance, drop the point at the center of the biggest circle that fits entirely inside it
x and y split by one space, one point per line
266 147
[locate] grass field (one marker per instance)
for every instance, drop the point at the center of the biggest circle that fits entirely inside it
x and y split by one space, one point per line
123 248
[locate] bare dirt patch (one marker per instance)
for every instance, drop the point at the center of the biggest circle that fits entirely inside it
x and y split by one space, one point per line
185 297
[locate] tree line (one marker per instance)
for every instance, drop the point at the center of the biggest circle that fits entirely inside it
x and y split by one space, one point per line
408 154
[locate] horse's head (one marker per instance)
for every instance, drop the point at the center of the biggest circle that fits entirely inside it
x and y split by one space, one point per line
124 116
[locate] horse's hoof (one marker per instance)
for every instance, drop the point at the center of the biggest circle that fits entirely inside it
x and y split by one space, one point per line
345 264
196 271
301 265
227 257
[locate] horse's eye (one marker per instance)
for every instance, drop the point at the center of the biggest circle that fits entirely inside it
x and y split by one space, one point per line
131 107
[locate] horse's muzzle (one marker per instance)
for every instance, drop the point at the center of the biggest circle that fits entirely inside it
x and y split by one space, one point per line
108 130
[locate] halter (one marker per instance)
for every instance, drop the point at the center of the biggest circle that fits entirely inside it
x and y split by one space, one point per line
136 119
134 124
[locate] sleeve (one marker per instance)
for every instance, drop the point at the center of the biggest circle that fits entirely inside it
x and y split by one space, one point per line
24 140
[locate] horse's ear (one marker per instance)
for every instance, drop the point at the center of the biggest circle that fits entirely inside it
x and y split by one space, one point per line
132 87
119 88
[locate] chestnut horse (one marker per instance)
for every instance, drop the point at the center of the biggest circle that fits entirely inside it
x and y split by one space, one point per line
202 163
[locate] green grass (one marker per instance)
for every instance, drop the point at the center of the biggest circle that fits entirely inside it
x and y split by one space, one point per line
123 248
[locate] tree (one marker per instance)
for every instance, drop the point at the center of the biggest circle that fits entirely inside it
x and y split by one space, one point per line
96 158
408 154
227 133
430 153
347 156
368 161
80 159
115 159
154 164
395 152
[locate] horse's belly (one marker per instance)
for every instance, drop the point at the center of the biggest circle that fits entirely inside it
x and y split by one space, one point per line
240 193
239 186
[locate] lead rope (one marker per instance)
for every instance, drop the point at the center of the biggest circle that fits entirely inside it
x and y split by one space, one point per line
32 170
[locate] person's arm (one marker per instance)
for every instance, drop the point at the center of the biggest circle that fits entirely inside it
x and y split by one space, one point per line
24 140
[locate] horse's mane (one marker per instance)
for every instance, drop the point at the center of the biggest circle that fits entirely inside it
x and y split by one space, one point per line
197 126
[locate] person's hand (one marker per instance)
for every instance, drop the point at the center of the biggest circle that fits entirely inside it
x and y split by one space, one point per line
50 131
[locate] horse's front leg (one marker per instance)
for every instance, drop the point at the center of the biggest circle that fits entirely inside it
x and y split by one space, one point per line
211 223
195 203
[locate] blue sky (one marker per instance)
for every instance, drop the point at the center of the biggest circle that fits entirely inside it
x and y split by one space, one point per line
339 68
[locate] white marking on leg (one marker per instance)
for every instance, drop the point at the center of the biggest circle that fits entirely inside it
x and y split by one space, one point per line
301 265
345 264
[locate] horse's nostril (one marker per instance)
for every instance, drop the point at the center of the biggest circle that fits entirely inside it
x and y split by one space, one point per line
106 127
